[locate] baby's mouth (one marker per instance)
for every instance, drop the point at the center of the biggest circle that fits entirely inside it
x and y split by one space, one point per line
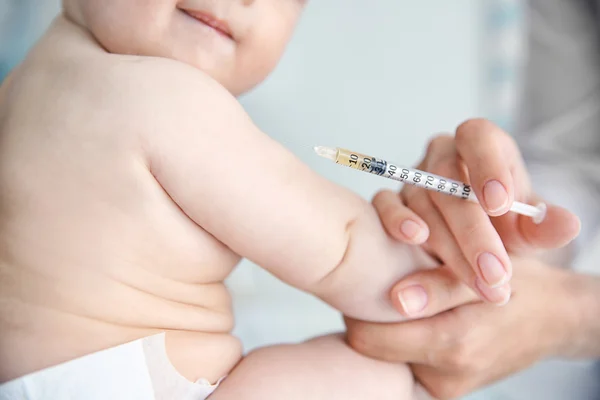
221 27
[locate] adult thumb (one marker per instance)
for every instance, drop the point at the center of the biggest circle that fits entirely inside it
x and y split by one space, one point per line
430 292
558 228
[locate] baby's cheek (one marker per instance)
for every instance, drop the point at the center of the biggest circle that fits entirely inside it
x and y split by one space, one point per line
253 64
260 51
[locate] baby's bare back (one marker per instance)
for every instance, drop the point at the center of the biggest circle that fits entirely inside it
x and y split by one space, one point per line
93 251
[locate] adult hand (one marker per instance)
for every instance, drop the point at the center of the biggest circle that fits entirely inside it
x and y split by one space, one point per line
463 349
461 234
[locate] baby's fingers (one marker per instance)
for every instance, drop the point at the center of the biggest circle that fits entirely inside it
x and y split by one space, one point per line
399 221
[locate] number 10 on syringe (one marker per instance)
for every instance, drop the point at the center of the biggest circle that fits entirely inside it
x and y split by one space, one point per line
422 179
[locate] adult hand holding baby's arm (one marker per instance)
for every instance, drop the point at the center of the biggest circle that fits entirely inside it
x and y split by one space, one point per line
473 241
553 313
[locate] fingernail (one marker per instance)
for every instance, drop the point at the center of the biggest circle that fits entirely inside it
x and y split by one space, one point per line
492 270
410 229
495 196
413 299
499 296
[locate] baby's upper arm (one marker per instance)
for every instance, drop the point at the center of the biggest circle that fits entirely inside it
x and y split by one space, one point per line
261 201
243 187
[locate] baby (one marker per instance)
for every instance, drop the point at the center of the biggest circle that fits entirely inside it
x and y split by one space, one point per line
132 182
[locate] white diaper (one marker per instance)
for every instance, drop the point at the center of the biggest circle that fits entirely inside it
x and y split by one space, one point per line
139 370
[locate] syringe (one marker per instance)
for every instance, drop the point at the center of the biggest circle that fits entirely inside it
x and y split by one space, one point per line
422 179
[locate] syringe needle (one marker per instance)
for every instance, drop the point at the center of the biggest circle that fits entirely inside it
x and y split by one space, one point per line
326 152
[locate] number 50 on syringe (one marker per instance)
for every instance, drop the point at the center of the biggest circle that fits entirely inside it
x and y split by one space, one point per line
422 179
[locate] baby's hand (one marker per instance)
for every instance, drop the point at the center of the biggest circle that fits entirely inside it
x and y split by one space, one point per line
471 240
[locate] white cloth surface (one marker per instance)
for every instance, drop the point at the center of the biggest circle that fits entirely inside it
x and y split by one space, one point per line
139 370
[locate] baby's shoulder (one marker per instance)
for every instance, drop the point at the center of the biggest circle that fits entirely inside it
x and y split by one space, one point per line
140 83
89 77
164 93
140 75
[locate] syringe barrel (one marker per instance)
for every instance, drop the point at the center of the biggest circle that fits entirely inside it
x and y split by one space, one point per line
411 176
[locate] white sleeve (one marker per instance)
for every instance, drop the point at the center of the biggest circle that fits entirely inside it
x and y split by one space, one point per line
559 128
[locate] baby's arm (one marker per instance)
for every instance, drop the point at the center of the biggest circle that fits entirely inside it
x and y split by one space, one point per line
257 198
324 368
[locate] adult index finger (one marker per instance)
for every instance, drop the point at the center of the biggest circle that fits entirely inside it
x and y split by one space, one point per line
489 155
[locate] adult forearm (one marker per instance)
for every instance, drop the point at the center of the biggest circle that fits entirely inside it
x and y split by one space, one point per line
583 297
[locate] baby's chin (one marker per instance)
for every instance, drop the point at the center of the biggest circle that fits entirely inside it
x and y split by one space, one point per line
236 84
234 76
